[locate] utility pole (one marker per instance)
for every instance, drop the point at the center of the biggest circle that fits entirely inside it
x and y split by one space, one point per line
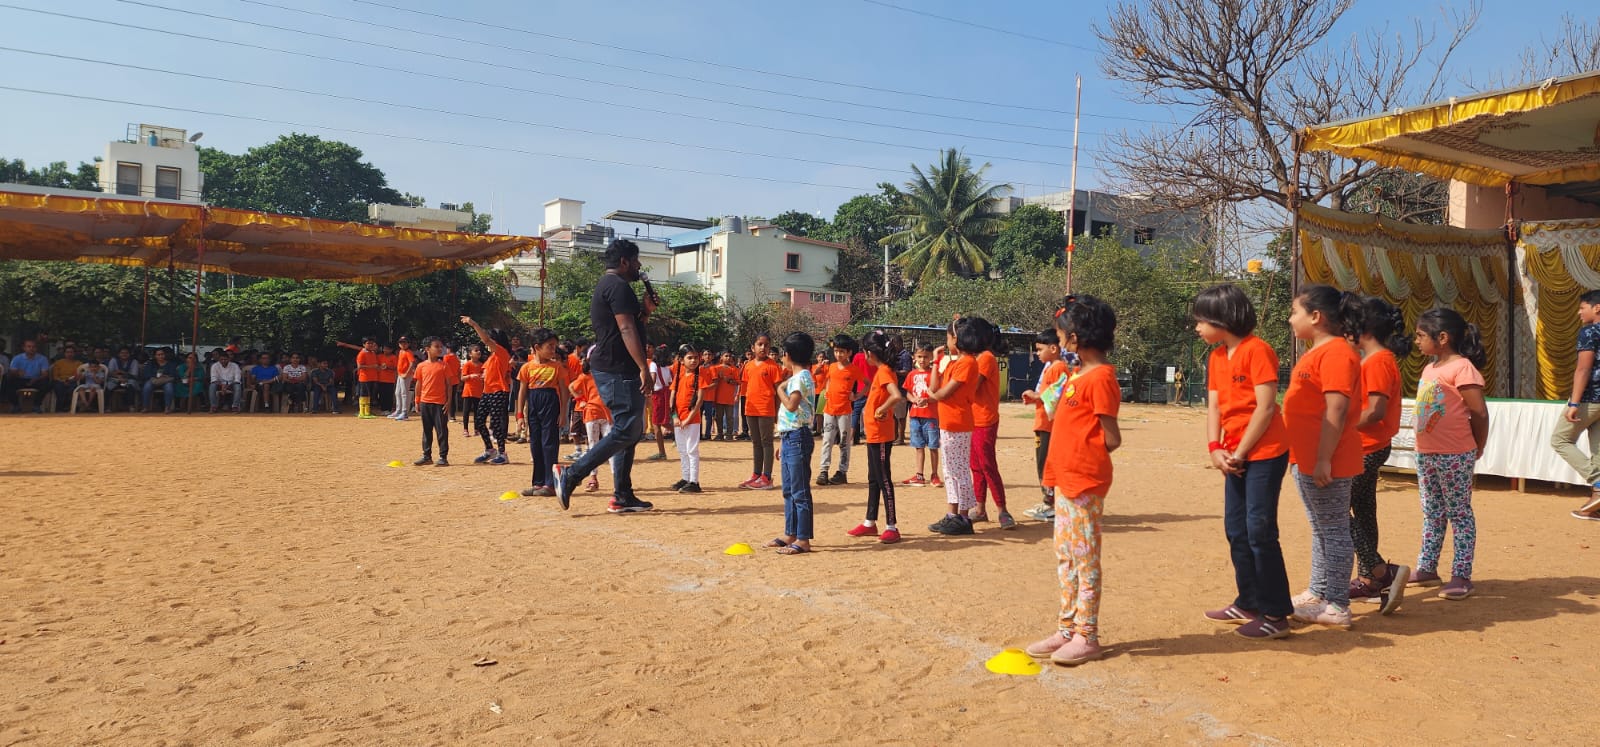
1072 189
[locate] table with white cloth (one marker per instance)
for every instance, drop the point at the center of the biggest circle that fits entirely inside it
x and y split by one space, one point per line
1519 442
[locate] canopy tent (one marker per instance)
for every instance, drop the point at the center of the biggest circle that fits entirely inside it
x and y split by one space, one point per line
88 227
1521 293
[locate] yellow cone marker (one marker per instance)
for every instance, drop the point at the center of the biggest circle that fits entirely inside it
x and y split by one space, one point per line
509 495
739 548
1012 661
396 463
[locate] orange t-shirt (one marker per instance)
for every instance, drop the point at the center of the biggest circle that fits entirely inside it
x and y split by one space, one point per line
760 384
727 385
574 367
1332 367
535 375
686 385
588 398
986 400
955 411
1235 379
1380 374
1078 463
387 375
878 431
452 369
403 362
363 359
433 382
497 370
708 384
1048 377
919 383
842 380
471 387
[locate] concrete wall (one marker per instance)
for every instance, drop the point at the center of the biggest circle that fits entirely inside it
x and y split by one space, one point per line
178 154
832 308
1473 206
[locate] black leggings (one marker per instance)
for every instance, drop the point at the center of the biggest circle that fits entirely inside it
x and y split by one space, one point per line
492 413
879 481
469 408
543 417
1041 450
760 429
1364 513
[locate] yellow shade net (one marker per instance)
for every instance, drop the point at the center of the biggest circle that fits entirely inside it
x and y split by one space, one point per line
1416 268
1561 260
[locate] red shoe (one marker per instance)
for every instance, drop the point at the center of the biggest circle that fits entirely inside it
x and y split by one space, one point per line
750 482
862 530
889 536
915 481
936 482
761 483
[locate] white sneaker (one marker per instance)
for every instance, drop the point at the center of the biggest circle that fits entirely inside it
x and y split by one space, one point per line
1333 616
1041 512
1308 610
1304 598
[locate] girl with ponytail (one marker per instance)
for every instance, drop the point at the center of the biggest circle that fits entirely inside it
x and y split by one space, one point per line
1381 341
1452 427
1319 413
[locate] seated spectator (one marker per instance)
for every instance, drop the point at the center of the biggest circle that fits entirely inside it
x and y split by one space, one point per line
295 378
264 378
191 378
64 378
163 376
324 387
91 378
122 373
225 380
28 370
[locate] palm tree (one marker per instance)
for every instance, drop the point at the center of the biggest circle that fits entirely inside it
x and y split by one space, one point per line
949 218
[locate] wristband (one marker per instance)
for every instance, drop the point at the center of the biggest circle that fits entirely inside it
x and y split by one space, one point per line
1572 404
1214 446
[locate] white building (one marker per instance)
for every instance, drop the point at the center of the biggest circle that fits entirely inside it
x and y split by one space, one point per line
153 162
763 264
1140 221
443 218
565 232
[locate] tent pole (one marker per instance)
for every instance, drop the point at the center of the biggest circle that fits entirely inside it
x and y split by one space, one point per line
199 275
1294 232
1511 290
144 310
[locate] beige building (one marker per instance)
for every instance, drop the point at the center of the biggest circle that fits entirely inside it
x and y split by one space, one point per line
761 264
153 162
443 218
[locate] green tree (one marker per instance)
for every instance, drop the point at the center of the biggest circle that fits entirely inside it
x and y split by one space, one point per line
56 174
949 219
801 224
297 175
93 302
1033 232
867 218
480 222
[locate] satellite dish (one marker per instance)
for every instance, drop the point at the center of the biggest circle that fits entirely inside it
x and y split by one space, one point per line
195 138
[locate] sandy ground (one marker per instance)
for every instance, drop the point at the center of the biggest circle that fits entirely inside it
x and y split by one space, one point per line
268 580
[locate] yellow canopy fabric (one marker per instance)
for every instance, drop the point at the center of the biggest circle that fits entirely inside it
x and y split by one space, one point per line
1562 262
1544 134
148 233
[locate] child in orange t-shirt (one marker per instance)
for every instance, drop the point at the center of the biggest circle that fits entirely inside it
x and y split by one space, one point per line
838 384
1383 337
471 387
759 386
542 404
954 388
452 369
367 367
923 425
1452 428
727 397
596 419
1083 434
1249 447
985 466
1320 418
432 377
388 364
878 422
1047 348
495 406
404 360
688 386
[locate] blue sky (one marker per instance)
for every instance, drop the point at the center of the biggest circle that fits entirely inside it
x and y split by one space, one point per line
641 96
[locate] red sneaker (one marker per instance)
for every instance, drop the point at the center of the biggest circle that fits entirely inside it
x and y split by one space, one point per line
914 481
750 482
936 482
761 483
889 536
862 530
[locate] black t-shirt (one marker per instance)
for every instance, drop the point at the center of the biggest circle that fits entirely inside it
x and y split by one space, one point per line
612 296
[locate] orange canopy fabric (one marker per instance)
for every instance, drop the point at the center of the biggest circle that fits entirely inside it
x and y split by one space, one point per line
78 227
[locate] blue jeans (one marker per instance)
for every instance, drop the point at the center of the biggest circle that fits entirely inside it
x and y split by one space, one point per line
925 433
856 408
795 463
150 390
622 397
1250 519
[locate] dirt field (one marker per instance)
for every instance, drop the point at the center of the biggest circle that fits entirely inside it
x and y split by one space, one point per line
268 580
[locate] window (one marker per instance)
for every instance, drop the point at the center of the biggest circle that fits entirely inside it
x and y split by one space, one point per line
129 176
1144 235
168 182
716 263
791 262
819 298
839 298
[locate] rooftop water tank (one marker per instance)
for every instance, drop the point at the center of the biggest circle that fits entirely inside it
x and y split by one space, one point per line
732 224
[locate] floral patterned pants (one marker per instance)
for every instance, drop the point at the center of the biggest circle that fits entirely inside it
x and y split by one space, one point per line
1077 540
1445 482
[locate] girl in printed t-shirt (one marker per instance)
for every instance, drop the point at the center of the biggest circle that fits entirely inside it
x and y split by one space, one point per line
1249 446
1382 339
1452 427
1078 469
1320 416
542 405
